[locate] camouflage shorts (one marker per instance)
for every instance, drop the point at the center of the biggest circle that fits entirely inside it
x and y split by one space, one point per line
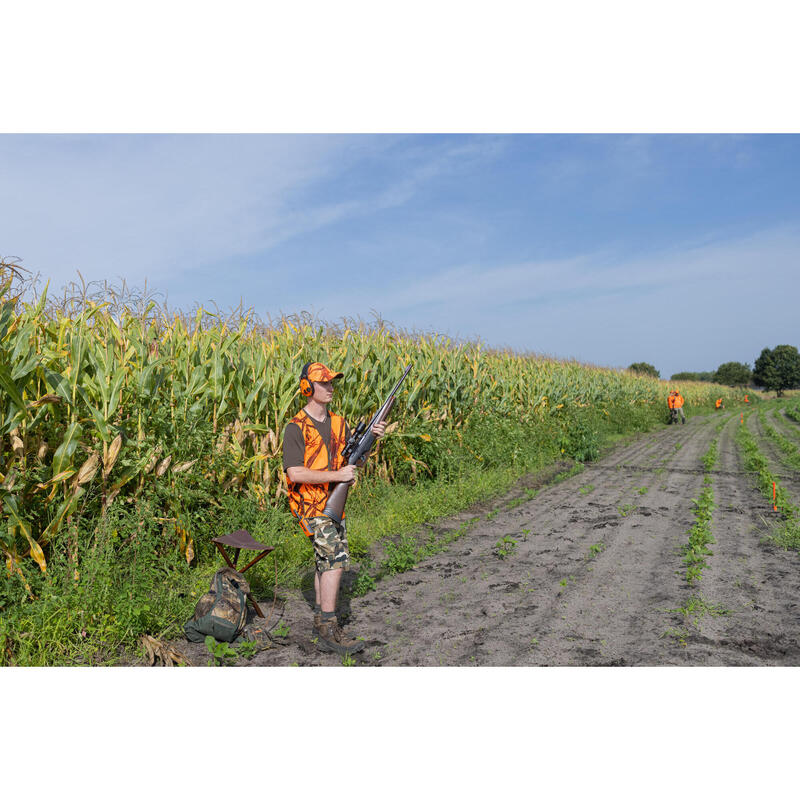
330 543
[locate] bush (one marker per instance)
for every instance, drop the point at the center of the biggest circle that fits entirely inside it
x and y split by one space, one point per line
643 368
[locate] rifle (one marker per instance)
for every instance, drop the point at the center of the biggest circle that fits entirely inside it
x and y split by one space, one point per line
356 451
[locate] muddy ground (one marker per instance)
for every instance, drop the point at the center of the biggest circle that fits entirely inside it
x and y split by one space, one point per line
591 574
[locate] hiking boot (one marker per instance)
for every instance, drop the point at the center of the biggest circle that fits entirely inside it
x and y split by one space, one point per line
333 639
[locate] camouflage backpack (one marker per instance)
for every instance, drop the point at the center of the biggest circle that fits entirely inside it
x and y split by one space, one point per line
221 612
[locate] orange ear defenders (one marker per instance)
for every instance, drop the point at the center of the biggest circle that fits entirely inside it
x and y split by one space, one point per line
306 386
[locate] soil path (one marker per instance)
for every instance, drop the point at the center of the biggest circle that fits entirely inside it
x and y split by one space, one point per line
591 575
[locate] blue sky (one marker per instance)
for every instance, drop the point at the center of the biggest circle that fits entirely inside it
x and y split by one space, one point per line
679 250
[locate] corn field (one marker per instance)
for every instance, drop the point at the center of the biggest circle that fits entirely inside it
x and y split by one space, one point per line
84 382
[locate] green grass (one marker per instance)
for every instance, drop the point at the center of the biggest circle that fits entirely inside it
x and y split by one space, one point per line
710 458
695 609
787 532
700 537
793 413
697 548
787 426
789 452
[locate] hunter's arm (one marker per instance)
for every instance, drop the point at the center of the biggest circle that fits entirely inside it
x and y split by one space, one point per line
306 475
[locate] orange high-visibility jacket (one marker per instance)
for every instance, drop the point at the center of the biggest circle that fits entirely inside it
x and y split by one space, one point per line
675 400
308 500
719 402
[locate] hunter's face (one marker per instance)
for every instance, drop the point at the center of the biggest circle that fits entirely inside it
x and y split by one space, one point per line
323 391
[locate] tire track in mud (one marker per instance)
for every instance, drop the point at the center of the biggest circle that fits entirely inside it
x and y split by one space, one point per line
750 578
614 613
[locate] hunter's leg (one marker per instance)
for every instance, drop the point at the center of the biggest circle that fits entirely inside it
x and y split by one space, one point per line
317 590
329 588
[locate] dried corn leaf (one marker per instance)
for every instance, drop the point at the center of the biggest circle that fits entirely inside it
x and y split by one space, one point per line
156 650
187 465
163 466
88 470
62 476
113 454
44 399
10 480
151 463
17 446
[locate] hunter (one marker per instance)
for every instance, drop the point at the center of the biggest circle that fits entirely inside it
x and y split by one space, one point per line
675 404
312 460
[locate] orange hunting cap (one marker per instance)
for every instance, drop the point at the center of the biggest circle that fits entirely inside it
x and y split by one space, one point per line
319 372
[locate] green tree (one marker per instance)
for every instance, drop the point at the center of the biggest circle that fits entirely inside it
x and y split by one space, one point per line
733 373
778 369
643 368
693 376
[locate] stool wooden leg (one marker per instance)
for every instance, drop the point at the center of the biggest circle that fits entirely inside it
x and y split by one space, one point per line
255 605
224 555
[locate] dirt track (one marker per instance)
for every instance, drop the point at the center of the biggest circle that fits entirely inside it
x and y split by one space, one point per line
594 575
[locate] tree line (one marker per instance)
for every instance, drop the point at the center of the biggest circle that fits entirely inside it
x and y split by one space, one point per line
775 370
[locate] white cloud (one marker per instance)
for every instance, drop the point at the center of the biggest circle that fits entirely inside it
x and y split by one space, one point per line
691 264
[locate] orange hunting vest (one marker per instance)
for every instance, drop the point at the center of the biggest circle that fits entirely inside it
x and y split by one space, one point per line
308 500
674 401
718 403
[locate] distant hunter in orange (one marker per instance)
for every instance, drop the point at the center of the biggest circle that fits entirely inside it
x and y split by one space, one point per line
675 405
719 404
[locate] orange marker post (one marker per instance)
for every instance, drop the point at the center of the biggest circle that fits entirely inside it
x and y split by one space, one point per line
774 506
742 419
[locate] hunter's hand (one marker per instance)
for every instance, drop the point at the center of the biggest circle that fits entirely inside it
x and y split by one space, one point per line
379 428
348 474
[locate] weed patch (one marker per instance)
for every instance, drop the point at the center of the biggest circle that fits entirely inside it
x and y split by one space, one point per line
505 547
596 549
221 652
